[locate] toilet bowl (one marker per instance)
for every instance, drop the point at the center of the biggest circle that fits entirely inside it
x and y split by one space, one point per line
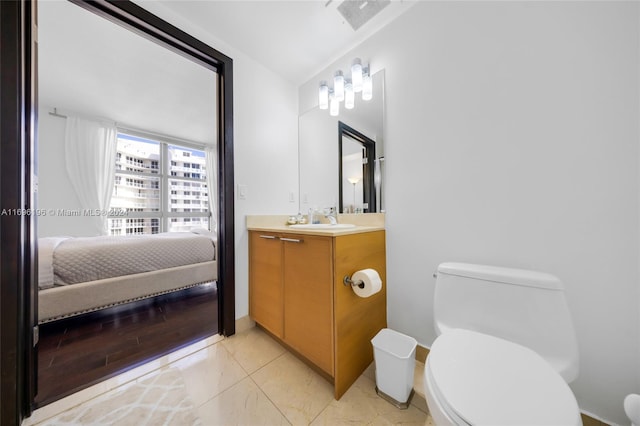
632 408
506 349
476 379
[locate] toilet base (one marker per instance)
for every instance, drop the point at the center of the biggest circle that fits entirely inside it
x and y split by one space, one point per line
395 402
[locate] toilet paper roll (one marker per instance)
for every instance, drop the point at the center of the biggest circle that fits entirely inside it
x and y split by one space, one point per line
371 282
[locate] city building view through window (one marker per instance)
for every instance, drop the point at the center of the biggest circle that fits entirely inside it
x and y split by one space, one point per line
161 187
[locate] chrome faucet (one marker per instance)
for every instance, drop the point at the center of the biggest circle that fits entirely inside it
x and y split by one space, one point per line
330 213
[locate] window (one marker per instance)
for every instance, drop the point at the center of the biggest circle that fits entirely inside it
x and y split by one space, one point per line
150 189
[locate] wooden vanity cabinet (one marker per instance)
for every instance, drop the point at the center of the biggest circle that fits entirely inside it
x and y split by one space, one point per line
291 292
296 293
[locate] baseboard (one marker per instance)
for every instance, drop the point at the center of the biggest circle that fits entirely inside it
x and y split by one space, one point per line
591 420
244 323
421 353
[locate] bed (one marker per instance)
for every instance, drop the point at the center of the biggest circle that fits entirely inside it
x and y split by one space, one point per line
85 274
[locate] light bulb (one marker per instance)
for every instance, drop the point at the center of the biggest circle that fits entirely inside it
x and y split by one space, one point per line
367 87
338 86
334 105
349 96
356 75
323 95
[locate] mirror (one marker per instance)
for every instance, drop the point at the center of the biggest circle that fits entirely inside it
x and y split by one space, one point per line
332 150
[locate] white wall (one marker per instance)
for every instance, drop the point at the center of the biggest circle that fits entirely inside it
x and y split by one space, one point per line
266 156
512 139
265 143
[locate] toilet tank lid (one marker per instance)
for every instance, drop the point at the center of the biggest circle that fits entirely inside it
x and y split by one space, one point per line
502 275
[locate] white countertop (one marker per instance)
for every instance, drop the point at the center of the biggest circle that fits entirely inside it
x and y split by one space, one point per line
367 222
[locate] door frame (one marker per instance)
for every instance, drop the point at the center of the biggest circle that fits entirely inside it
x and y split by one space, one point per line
17 231
368 185
18 124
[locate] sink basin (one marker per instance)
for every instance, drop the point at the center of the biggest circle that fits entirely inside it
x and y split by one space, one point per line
323 226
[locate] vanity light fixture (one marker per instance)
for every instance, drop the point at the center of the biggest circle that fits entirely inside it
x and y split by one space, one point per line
367 87
323 95
344 89
356 75
349 96
338 86
334 105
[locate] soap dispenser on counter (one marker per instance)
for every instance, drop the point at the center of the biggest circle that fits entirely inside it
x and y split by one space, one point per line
314 215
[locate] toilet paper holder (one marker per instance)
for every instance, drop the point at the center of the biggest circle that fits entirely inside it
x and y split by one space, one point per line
347 281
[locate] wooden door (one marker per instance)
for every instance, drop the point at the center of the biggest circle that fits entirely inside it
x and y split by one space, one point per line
308 298
265 281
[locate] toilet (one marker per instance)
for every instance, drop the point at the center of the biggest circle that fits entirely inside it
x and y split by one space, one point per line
506 349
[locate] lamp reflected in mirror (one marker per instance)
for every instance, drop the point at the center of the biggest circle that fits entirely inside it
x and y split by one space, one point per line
354 181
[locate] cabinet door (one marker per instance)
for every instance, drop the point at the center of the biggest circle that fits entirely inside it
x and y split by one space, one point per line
265 281
308 298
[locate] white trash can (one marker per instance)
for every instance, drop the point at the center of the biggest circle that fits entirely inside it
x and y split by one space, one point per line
394 355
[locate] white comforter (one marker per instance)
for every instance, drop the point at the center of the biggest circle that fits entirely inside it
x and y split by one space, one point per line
46 246
64 260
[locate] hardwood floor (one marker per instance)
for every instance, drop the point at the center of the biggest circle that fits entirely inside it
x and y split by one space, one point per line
76 353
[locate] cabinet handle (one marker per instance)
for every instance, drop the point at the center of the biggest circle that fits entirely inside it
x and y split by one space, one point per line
268 237
291 240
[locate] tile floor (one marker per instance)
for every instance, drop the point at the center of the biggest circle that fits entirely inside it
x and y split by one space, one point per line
250 379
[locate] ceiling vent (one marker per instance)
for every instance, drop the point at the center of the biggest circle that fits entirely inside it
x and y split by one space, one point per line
359 12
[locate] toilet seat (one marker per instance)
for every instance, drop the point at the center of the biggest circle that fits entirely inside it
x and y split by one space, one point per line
484 380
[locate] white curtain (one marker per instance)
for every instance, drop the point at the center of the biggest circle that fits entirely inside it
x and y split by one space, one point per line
90 154
212 188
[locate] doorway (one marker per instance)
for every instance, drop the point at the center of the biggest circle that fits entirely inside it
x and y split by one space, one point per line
19 117
357 154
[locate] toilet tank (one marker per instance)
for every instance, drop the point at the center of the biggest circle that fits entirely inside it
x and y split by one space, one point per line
524 307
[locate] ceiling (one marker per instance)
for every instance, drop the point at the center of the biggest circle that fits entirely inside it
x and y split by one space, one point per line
88 66
297 38
93 68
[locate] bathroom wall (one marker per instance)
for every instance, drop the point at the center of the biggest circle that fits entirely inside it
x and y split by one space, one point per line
265 143
512 139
